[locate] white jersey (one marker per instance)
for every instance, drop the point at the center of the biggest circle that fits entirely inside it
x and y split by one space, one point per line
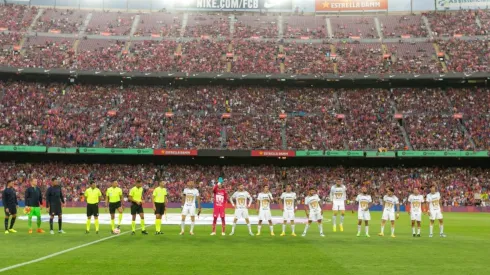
265 200
288 200
338 194
434 201
190 197
243 199
313 202
389 203
364 201
416 203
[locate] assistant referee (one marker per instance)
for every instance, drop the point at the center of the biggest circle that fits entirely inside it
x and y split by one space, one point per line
158 199
92 196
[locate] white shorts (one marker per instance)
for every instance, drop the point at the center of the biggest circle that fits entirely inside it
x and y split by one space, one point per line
338 206
416 216
241 213
364 215
388 216
265 215
288 215
189 211
315 216
435 215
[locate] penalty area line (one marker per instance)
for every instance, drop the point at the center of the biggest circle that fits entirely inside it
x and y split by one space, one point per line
61 252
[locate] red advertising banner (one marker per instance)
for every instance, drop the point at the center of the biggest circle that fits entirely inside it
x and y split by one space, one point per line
273 153
350 5
174 152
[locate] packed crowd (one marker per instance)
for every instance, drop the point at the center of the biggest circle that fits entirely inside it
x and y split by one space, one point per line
458 186
398 26
60 21
16 17
466 56
456 23
313 118
308 59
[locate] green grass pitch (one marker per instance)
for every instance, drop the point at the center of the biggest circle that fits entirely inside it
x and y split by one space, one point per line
464 251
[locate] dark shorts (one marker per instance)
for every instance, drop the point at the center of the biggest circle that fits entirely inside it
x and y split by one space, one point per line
55 209
12 210
113 206
93 210
159 208
136 209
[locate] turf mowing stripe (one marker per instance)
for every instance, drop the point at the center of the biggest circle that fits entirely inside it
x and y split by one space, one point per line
62 252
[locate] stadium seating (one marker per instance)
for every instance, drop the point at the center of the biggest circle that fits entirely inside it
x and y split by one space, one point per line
402 25
60 21
255 26
457 185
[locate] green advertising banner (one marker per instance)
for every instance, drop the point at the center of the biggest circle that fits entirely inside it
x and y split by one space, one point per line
60 150
376 154
116 151
330 154
27 149
309 153
443 154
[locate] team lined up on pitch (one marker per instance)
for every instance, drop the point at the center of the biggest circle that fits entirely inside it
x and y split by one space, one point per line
241 201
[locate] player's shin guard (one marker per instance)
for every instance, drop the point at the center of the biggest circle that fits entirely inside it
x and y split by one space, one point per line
96 225
223 224
142 222
88 224
12 222
133 226
51 224
120 219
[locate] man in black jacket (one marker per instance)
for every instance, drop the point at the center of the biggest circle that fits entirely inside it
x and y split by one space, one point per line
10 204
34 200
54 203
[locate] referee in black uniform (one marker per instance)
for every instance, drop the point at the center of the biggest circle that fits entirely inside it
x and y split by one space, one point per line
10 205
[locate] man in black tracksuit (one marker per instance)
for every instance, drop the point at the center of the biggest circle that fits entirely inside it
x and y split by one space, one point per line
10 204
54 201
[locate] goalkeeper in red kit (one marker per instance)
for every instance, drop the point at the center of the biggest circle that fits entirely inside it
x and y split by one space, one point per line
220 199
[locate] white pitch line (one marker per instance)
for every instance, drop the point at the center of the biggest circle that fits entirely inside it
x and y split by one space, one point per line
61 252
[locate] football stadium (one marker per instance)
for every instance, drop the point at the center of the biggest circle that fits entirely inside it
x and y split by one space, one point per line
245 136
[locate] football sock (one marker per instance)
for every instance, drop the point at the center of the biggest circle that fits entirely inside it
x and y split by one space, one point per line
233 227
158 224
29 222
142 222
392 230
258 228
367 229
223 224
96 225
342 219
413 229
334 220
39 221
358 229
292 227
120 218
441 229
88 224
6 224
51 224
214 224
418 230
272 228
60 222
283 228
182 226
12 222
192 226
112 224
320 228
249 228
382 229
306 228
133 226
431 229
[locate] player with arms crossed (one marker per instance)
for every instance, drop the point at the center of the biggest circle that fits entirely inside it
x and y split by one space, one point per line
288 209
416 200
241 208
389 203
136 199
313 211
114 197
189 206
363 213
338 197
54 203
220 198
435 211
264 200
10 204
